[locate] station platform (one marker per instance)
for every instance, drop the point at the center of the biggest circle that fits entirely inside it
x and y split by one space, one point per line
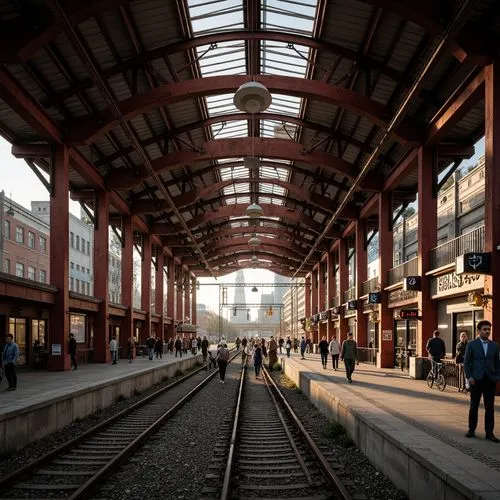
413 434
47 401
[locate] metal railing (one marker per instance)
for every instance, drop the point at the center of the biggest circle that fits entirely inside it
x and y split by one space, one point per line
398 273
367 355
370 285
453 372
335 301
446 253
350 294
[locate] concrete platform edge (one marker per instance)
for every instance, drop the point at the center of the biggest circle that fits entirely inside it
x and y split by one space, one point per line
413 466
18 428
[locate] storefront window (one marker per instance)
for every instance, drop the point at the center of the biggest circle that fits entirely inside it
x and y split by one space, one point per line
466 322
17 327
38 331
351 326
372 334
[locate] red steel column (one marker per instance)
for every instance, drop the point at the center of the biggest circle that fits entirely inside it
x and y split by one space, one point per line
101 263
386 325
321 298
146 285
179 310
187 298
59 259
361 276
127 324
343 285
307 297
171 298
331 292
159 309
492 193
314 303
427 239
194 316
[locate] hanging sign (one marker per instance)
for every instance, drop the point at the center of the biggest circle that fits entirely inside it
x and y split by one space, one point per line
477 262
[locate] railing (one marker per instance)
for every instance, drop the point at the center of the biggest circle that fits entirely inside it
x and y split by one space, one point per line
446 253
335 301
367 355
398 273
350 294
370 286
453 372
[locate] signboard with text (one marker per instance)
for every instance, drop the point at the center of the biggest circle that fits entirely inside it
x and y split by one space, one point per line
455 284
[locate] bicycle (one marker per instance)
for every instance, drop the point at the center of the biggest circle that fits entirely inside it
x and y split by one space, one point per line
437 376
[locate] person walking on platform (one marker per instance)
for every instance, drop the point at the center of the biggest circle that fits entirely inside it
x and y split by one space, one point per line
323 351
9 359
482 369
273 353
281 342
334 349
436 347
222 360
130 349
194 346
303 346
159 348
204 348
288 346
349 354
459 359
178 346
72 348
113 348
171 346
150 344
257 359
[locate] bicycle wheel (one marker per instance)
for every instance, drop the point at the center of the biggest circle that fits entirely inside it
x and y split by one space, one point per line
430 379
441 382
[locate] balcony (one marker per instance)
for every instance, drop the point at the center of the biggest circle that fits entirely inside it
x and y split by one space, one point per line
445 254
350 294
335 301
371 285
398 273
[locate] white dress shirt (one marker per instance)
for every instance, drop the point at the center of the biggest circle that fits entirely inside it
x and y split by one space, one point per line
485 347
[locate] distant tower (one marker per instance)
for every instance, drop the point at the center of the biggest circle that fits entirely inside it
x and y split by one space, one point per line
239 298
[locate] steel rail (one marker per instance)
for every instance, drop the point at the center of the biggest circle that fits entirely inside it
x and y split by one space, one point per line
226 491
29 467
332 477
449 33
15 476
75 40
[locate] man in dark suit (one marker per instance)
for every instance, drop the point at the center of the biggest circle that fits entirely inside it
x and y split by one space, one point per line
482 370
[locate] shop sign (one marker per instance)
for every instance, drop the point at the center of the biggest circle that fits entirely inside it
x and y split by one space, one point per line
455 284
375 297
387 335
408 313
323 316
56 349
77 327
478 262
412 283
397 296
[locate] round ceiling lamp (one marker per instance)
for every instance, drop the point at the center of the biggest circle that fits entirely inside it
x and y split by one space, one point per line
254 241
252 97
251 162
254 210
255 289
254 259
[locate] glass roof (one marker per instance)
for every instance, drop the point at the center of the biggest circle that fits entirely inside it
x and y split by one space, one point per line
228 58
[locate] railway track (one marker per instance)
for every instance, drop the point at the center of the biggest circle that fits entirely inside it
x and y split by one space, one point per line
75 469
271 455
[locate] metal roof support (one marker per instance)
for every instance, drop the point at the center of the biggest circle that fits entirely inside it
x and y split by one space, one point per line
74 38
450 32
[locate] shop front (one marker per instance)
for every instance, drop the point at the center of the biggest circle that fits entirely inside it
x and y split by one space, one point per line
455 313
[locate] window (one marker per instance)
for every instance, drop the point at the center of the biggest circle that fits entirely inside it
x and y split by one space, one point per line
77 289
72 265
19 270
83 245
6 266
6 229
20 234
43 244
78 267
88 248
43 276
31 273
77 242
88 271
72 240
31 239
71 284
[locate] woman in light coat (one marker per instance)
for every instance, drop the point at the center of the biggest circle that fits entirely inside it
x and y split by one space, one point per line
334 349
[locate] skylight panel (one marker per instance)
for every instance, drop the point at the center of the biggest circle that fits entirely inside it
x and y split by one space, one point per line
281 174
239 172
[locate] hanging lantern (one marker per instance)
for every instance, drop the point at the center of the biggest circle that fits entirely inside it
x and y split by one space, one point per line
252 97
254 241
254 210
